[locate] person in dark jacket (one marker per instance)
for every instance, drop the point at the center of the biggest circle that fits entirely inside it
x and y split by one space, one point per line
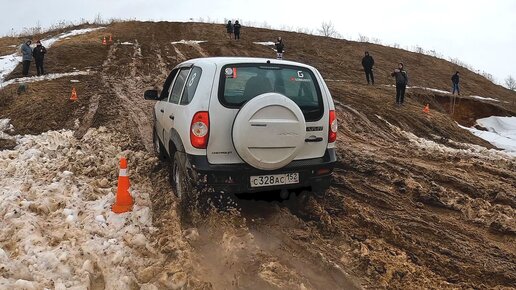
367 63
27 57
455 82
401 83
39 54
279 48
229 29
236 30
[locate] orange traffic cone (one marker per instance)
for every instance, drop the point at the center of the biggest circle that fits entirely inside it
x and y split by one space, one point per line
124 200
104 41
73 97
110 38
426 110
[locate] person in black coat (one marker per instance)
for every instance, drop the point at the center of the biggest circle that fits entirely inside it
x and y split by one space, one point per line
279 48
229 29
236 29
455 82
367 63
401 83
39 55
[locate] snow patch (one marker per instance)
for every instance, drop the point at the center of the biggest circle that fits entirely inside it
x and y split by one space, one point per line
469 150
484 98
50 41
46 77
267 43
188 42
7 64
428 89
56 222
501 132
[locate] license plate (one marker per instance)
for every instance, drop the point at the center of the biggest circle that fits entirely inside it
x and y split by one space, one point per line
274 179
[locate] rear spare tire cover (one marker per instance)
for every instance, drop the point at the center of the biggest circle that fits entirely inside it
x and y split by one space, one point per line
269 131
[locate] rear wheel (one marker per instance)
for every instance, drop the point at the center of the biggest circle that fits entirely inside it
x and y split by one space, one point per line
181 182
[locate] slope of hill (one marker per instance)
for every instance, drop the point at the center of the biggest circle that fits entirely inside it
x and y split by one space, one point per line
417 201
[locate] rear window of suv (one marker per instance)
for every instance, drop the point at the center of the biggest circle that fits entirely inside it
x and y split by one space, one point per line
241 82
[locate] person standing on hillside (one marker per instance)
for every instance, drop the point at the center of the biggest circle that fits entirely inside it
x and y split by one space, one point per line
39 54
279 48
236 30
229 29
455 82
27 57
401 78
368 63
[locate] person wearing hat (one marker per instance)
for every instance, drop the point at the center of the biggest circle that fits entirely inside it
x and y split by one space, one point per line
26 57
236 30
401 83
39 54
229 29
279 48
367 63
455 82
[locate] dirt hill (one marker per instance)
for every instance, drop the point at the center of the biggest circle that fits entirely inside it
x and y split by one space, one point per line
417 202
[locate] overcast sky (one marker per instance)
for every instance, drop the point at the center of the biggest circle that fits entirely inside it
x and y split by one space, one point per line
480 33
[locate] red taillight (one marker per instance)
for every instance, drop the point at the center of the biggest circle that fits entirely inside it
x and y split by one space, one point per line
332 130
199 130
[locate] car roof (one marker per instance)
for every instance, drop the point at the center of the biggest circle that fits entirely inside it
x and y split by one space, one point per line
221 61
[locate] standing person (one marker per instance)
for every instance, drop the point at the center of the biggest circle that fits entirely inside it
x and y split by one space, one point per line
367 63
39 54
27 57
401 83
455 82
229 29
279 48
236 30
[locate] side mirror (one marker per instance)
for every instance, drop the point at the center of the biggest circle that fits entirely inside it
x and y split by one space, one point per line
151 95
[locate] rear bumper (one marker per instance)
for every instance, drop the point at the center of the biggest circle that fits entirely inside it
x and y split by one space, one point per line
235 178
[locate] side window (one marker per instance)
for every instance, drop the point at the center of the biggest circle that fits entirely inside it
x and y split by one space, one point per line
191 86
177 88
166 87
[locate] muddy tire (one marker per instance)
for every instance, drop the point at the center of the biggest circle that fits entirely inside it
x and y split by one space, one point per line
159 150
180 181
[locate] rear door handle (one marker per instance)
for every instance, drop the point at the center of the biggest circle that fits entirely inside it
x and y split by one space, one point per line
314 139
171 117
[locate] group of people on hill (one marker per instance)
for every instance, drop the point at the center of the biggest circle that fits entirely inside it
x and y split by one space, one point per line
400 76
38 53
233 29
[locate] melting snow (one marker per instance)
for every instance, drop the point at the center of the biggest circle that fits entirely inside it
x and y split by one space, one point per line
501 132
7 64
45 77
465 149
189 42
428 89
264 43
50 41
484 98
56 225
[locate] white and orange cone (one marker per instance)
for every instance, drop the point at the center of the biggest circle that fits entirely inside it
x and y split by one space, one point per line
124 200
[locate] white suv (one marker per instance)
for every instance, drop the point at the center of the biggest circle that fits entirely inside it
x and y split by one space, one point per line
237 125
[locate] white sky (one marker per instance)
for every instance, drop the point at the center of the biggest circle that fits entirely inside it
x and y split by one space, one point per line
481 33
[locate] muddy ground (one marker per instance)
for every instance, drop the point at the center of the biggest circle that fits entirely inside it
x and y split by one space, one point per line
415 201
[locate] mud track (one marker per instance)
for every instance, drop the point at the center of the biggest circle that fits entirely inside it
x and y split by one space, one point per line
416 201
